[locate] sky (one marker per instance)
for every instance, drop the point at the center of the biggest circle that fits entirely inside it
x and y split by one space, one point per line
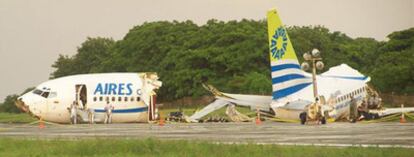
34 33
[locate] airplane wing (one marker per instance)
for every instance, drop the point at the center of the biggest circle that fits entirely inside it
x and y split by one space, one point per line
223 99
217 104
253 101
390 111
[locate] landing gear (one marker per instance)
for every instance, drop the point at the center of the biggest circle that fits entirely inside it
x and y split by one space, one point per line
323 120
303 116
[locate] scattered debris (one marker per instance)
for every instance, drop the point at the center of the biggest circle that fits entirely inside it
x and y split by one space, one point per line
235 115
175 117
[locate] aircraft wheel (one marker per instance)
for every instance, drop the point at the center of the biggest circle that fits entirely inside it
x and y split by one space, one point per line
323 120
302 117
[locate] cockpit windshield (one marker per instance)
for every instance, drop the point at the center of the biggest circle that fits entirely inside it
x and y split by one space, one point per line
42 93
45 94
52 95
37 92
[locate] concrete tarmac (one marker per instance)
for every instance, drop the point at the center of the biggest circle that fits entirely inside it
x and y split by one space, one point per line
390 134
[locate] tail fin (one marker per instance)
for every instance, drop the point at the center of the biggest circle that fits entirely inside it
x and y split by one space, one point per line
287 77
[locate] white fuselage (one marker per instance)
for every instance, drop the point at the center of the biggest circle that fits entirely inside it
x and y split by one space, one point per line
125 91
337 92
338 105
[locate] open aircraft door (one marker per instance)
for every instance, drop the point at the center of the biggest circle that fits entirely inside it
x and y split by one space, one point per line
81 93
151 108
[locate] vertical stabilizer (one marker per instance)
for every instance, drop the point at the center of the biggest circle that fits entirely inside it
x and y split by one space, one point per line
287 77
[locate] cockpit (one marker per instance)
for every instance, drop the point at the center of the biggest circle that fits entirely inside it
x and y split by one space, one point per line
44 92
36 100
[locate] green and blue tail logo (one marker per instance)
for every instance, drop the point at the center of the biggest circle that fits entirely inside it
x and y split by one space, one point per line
287 77
278 44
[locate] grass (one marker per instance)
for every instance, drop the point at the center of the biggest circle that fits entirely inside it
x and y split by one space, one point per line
153 147
16 118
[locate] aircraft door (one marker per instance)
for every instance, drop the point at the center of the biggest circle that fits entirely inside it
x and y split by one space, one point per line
81 96
151 108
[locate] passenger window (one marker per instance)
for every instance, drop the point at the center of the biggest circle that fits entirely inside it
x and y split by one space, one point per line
132 98
119 98
113 98
138 98
94 98
100 98
126 99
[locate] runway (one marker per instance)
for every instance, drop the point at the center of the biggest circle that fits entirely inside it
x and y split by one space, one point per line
391 134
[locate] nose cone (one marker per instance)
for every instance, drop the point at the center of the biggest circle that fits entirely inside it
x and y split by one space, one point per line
29 103
21 105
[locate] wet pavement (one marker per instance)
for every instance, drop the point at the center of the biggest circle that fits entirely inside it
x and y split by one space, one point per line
390 134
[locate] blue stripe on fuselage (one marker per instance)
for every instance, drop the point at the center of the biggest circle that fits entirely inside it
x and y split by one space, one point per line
131 110
349 77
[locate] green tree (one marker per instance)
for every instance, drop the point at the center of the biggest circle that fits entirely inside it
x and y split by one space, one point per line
8 104
64 66
392 71
90 55
234 56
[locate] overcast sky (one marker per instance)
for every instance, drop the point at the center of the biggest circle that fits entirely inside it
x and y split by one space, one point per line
34 32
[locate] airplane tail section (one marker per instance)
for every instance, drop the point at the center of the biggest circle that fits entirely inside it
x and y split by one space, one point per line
287 76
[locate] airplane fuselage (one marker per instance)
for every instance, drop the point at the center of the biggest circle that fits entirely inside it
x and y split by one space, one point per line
127 92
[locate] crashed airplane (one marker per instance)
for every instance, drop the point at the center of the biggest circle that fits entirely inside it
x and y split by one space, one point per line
132 94
292 87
